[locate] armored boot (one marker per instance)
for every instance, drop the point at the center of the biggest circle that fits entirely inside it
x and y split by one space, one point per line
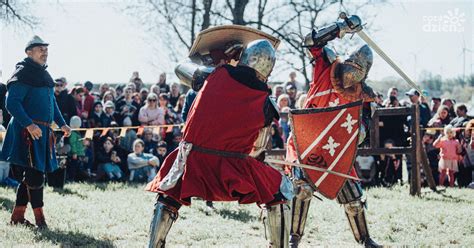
299 213
299 207
39 218
18 216
350 196
277 223
163 218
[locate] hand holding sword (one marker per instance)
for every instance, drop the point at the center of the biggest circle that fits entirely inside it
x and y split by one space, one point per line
351 25
354 26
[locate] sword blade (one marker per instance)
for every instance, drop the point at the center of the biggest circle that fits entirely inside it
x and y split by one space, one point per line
276 161
387 59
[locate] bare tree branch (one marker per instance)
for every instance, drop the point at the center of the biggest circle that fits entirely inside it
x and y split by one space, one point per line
17 12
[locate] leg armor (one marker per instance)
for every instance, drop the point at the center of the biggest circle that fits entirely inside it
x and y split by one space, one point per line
299 208
166 212
277 223
350 196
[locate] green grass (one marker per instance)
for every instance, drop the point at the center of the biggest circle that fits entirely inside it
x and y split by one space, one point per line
118 215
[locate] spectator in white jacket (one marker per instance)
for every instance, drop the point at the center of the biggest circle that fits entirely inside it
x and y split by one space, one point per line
141 165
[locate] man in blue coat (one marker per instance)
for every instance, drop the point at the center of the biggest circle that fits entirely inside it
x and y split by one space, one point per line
30 142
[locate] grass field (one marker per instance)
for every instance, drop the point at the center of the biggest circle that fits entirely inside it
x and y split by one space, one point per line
118 215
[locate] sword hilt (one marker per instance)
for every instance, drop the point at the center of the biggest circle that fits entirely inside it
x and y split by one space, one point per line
353 23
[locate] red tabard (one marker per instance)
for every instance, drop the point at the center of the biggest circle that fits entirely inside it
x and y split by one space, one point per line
227 116
320 95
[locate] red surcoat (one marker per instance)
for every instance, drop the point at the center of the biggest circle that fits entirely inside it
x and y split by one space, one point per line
226 115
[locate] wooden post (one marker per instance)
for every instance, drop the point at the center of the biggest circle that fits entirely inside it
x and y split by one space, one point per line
415 182
427 169
376 120
374 138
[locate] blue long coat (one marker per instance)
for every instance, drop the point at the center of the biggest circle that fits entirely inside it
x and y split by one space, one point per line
26 103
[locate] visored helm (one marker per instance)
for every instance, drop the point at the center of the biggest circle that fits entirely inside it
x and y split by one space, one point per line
356 67
259 55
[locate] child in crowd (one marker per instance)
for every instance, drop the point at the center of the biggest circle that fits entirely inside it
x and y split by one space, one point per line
284 122
108 161
366 169
389 166
432 153
97 118
141 165
150 139
88 158
109 114
160 152
76 154
449 150
126 142
277 141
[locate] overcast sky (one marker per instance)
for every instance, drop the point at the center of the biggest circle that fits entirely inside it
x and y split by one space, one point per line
93 40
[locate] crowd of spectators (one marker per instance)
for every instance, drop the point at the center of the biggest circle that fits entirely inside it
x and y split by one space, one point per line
137 153
134 154
447 140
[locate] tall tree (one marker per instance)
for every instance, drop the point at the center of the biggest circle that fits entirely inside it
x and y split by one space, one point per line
288 20
16 12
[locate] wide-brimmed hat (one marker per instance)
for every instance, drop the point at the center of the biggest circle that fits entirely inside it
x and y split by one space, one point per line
34 42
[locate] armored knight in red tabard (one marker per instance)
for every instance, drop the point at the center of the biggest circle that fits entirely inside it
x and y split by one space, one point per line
334 83
226 131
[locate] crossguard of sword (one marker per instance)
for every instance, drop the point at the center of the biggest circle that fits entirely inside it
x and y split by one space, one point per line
353 23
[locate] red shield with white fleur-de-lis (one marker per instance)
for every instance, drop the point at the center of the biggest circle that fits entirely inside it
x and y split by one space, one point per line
327 138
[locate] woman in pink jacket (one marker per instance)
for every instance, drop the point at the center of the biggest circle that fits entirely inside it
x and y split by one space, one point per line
151 114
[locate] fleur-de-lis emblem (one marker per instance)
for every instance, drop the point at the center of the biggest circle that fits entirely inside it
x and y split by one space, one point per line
349 123
331 146
335 103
